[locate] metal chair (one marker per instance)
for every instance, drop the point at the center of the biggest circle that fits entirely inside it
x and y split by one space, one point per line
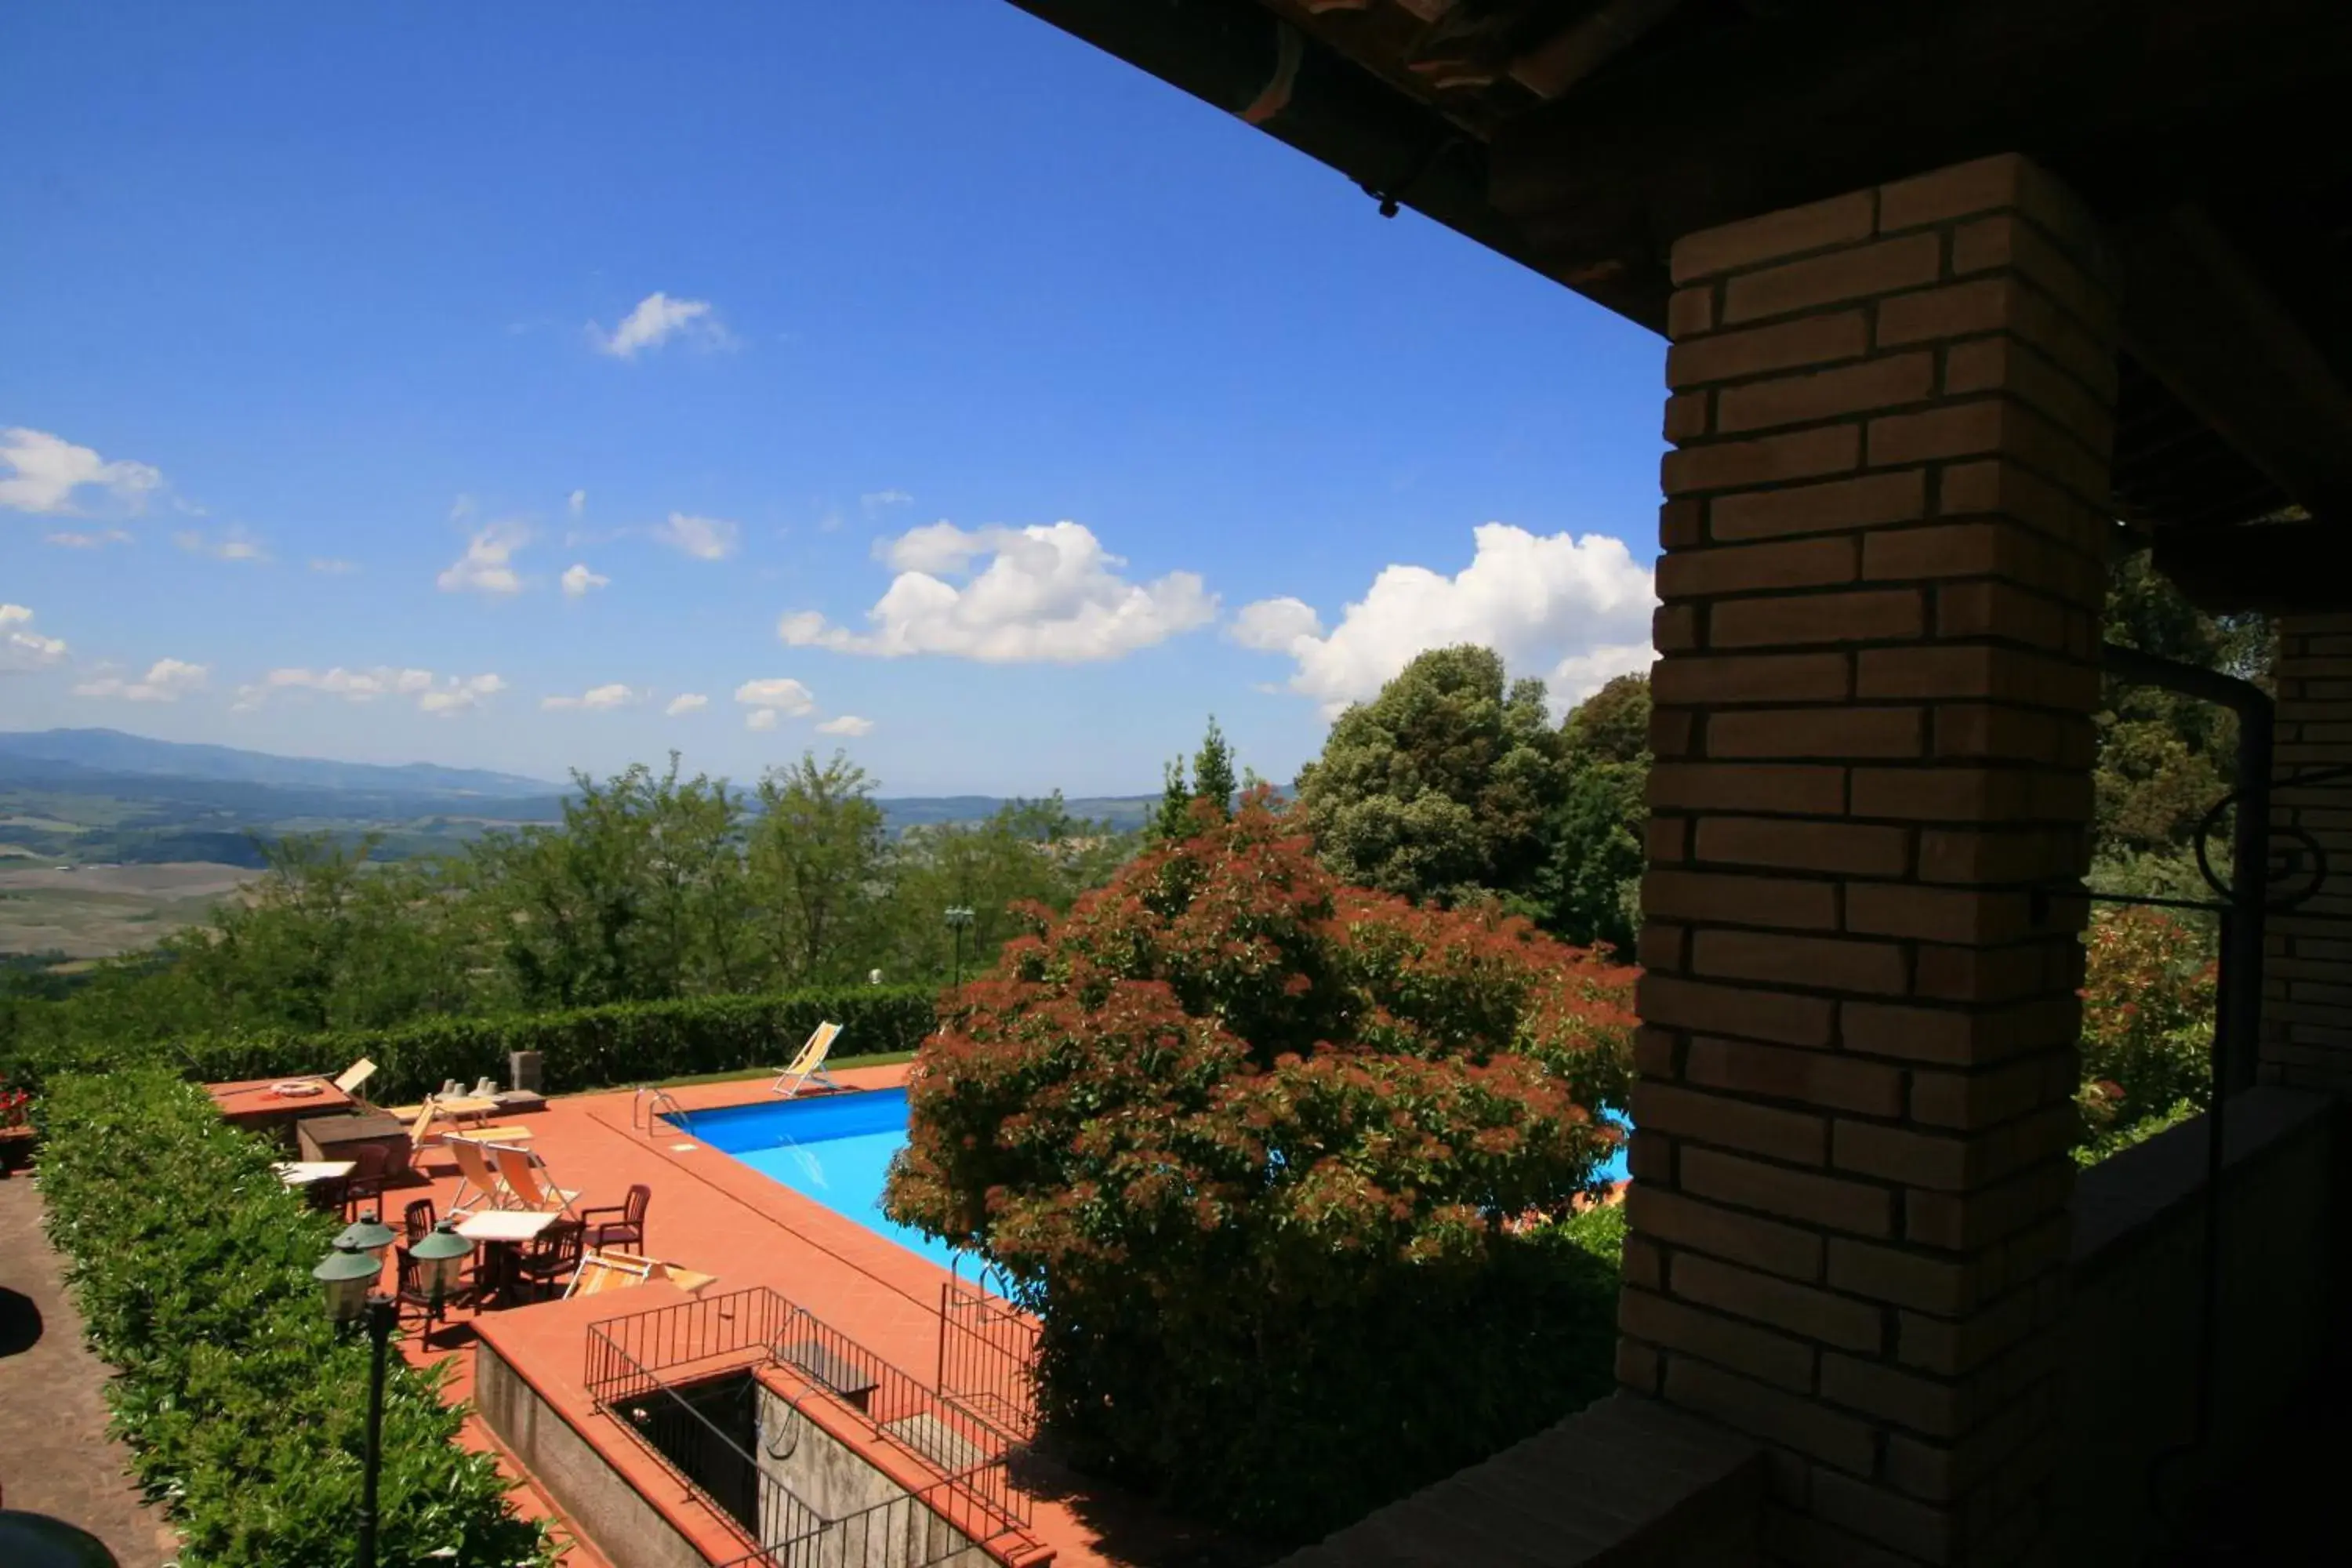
627 1228
551 1259
418 1220
371 1168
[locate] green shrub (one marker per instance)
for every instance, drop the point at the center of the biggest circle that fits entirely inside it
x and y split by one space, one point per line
587 1047
243 1407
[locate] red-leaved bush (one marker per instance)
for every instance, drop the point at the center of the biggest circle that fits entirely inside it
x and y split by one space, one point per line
2148 995
1254 1144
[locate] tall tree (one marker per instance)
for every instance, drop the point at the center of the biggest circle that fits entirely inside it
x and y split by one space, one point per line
1212 771
816 869
1441 787
1589 890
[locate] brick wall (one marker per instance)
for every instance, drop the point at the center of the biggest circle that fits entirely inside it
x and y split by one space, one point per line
1883 571
2307 972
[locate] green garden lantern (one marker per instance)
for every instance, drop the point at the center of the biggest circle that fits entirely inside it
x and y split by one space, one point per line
959 922
370 1235
440 1261
349 1273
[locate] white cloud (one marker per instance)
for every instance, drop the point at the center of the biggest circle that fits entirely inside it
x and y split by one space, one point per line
232 544
455 695
432 693
1046 594
779 695
166 681
578 580
576 503
1575 611
1275 626
22 649
486 567
760 719
43 472
686 703
657 318
596 698
86 538
704 537
876 502
847 724
331 567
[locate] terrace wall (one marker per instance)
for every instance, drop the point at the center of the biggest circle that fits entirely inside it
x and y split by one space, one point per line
625 1527
2307 972
2131 1330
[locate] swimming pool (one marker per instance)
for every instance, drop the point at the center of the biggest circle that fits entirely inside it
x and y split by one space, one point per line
835 1149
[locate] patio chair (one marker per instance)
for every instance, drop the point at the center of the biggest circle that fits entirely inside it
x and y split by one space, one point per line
519 1175
551 1256
371 1168
412 1291
352 1077
479 1184
809 1066
419 1219
626 1223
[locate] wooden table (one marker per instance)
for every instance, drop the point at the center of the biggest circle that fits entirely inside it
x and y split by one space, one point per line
499 1232
459 1107
303 1172
256 1105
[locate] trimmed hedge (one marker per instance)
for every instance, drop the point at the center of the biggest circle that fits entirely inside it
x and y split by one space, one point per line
587 1047
243 1407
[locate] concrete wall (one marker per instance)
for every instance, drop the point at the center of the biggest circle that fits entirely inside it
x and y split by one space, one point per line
2131 1331
624 1527
839 1482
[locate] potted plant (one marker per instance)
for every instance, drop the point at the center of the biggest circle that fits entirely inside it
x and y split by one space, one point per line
16 1130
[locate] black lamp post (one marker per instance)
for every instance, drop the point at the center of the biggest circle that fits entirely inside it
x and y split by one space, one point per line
959 920
351 1274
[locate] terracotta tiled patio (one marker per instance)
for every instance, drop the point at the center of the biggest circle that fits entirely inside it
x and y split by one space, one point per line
717 1217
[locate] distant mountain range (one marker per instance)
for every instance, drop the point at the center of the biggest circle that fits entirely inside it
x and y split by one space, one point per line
113 751
105 796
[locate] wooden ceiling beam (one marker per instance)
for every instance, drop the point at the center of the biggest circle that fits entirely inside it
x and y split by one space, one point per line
2197 317
2279 569
1830 98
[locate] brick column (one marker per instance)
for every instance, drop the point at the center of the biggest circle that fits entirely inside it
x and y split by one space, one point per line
1881 581
2307 972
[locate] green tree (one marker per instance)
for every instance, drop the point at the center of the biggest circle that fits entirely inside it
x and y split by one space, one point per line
1441 787
2163 758
1589 890
1212 771
817 870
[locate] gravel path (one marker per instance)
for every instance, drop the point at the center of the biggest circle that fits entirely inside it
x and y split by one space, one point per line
55 1456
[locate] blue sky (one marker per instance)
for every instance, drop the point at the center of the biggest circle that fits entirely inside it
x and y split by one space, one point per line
907 376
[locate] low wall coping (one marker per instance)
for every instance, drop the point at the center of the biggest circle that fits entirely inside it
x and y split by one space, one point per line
1627 1480
2131 1195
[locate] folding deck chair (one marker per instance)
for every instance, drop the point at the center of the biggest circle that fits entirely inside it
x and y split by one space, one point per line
519 1175
809 1066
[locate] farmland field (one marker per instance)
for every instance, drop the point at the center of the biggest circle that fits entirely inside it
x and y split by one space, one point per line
92 911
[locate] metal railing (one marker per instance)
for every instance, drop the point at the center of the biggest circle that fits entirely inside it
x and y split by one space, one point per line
967 1456
656 1373
986 1351
670 1419
652 1098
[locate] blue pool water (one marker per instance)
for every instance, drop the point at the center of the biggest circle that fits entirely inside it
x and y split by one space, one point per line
835 1149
